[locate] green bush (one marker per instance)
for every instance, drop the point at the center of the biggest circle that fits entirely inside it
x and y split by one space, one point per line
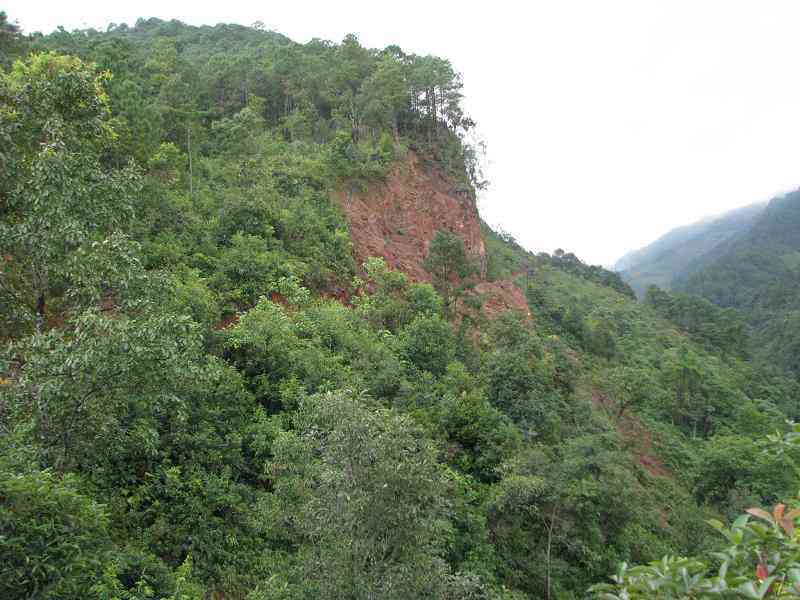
429 343
54 540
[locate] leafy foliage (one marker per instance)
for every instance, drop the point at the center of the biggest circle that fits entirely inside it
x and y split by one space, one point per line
715 327
201 395
47 528
759 560
56 112
756 273
449 265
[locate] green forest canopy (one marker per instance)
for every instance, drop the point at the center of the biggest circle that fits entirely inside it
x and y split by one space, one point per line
169 431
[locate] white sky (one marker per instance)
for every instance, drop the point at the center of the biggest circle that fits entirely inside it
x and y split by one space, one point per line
607 122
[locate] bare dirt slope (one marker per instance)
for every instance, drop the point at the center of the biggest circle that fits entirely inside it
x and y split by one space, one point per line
397 219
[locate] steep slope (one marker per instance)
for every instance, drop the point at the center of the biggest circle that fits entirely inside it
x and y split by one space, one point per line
739 272
397 218
681 250
378 446
747 259
758 273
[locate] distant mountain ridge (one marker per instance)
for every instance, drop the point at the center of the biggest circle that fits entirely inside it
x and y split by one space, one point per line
684 249
747 259
758 273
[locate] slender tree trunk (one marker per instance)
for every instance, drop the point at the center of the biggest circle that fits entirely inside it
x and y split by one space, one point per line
354 133
189 146
40 310
622 406
441 109
550 546
432 131
40 285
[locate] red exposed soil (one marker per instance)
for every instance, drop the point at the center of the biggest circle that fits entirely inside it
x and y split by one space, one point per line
397 219
226 322
501 296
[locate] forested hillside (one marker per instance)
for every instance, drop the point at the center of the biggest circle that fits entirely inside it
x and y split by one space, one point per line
683 250
758 273
240 361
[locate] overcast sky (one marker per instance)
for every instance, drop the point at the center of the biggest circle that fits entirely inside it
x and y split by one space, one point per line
606 123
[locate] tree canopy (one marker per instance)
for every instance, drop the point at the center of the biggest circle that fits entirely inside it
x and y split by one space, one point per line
203 395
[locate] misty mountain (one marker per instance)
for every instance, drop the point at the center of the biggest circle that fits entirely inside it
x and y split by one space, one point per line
758 273
747 259
683 250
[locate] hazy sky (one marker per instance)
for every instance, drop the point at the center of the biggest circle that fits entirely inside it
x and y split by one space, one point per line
606 122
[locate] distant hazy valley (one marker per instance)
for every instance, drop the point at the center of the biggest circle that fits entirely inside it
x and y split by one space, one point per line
685 249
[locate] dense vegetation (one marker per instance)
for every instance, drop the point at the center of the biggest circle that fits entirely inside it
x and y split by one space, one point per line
757 557
739 296
717 328
184 413
758 273
745 262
